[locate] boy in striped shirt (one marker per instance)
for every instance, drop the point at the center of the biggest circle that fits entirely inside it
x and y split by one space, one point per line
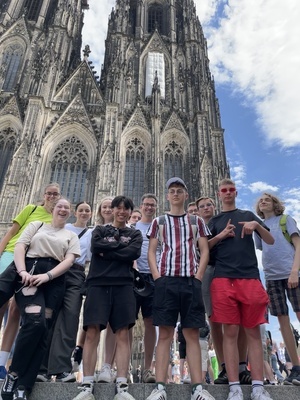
178 286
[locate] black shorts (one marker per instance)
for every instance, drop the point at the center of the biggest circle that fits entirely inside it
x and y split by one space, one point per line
176 295
145 303
113 304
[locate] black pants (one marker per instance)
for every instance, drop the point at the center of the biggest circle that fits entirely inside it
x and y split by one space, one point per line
32 338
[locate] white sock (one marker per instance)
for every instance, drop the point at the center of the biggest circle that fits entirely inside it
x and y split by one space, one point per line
4 355
121 379
88 379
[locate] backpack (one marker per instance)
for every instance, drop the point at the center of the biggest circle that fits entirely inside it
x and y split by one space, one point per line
192 219
283 227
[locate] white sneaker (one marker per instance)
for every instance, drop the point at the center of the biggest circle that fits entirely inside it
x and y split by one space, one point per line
86 392
236 395
262 395
104 375
201 394
122 392
158 393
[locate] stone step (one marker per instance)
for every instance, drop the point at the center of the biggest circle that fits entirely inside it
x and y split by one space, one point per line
67 391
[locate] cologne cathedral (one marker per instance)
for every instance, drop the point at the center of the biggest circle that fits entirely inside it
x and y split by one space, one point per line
152 113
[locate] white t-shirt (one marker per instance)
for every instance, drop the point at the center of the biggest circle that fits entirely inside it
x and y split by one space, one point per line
46 241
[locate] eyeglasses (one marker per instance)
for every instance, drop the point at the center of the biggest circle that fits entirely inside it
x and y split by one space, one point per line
225 190
179 191
149 205
205 205
54 194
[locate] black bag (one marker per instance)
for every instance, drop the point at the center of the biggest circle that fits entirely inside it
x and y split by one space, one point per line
8 281
204 331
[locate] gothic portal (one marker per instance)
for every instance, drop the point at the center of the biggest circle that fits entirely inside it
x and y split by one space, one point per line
151 115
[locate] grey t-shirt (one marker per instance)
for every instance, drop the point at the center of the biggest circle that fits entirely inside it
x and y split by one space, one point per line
278 258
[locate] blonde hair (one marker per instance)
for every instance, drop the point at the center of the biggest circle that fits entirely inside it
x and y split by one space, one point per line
277 203
99 218
204 198
226 181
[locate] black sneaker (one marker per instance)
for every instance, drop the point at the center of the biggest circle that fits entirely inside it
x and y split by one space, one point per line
8 387
293 378
222 379
20 393
245 377
77 354
77 358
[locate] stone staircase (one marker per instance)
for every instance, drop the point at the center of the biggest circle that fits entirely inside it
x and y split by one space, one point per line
67 391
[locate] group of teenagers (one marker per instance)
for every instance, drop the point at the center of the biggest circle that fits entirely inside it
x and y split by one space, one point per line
194 264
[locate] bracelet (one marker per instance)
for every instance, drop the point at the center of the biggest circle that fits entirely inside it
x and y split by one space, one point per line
22 270
50 276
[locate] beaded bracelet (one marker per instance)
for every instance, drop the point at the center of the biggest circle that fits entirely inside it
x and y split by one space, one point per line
22 270
50 276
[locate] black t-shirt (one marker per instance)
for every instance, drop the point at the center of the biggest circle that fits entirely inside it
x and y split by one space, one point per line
234 257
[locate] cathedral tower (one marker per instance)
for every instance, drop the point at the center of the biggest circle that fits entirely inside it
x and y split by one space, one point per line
151 115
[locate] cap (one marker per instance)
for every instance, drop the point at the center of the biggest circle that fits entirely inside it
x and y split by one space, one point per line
175 180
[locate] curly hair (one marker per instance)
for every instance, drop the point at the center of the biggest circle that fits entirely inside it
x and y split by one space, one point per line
278 205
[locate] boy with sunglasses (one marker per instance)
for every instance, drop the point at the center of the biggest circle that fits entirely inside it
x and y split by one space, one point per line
110 296
238 297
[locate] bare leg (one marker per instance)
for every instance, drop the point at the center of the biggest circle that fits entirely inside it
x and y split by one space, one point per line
122 352
288 337
162 354
255 352
149 342
231 353
193 353
90 350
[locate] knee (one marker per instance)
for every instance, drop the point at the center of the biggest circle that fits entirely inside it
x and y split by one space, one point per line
33 319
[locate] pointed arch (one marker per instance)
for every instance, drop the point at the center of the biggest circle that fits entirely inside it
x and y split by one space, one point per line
134 177
10 65
8 141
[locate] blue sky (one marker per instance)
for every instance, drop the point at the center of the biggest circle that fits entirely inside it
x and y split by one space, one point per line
253 47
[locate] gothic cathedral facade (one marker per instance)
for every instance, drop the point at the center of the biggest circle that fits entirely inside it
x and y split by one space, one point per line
150 115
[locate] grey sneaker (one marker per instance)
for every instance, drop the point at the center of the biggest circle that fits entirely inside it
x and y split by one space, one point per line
65 377
86 392
122 392
158 393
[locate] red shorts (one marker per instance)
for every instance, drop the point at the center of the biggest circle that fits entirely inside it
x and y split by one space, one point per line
239 302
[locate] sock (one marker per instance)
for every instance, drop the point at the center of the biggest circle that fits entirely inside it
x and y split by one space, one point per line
88 379
195 386
121 379
257 386
161 385
4 355
235 386
242 366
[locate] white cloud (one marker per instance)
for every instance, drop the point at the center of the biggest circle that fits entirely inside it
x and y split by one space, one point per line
258 187
253 49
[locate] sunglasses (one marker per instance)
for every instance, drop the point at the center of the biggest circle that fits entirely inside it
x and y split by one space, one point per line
225 190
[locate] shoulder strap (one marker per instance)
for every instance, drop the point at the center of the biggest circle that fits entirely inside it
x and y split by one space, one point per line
161 223
82 233
284 228
33 210
193 221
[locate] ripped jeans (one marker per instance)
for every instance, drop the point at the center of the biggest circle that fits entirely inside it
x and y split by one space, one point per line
37 307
